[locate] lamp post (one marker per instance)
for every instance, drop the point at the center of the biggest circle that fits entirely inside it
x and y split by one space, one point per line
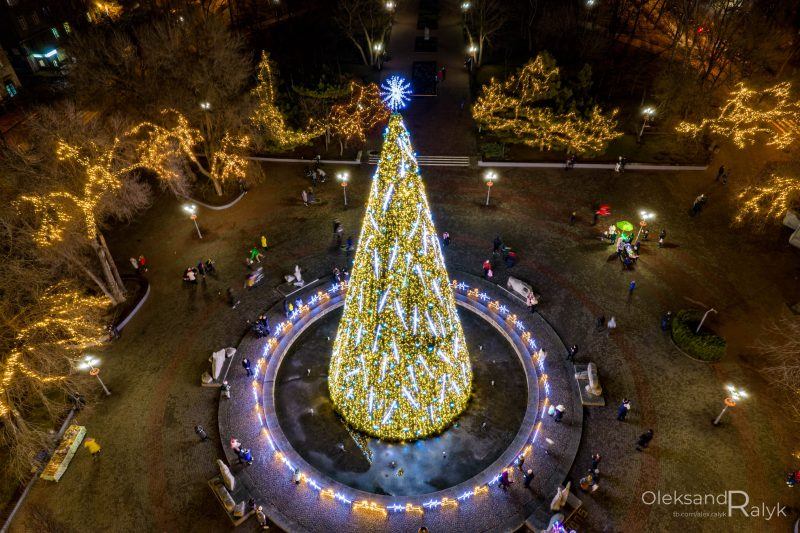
647 114
378 49
390 6
704 319
344 178
90 363
734 395
192 210
645 216
490 177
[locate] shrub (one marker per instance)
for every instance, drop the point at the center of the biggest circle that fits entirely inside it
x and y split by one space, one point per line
704 346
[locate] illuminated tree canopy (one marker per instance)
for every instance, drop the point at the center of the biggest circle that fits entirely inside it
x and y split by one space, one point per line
750 115
520 109
400 367
768 201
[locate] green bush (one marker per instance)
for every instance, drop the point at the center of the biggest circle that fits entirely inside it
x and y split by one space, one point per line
492 150
704 346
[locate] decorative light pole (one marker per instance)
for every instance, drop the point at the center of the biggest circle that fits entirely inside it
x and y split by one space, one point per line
344 178
192 210
490 177
591 3
645 216
90 363
390 6
734 395
378 49
647 114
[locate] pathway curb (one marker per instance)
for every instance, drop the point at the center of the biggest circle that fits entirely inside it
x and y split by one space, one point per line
217 207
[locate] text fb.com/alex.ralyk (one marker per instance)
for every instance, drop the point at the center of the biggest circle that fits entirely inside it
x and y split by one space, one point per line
725 504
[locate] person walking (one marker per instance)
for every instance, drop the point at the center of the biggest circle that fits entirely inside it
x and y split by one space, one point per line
596 458
262 518
487 267
304 196
338 232
666 321
142 264
661 236
612 325
233 301
247 366
720 173
622 410
264 242
600 323
631 287
571 351
505 480
644 440
255 255
198 429
349 246
558 414
446 239
444 72
618 166
521 462
531 301
528 478
93 446
135 264
572 217
497 244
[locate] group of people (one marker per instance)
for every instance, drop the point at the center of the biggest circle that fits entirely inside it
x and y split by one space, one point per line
261 326
192 273
139 265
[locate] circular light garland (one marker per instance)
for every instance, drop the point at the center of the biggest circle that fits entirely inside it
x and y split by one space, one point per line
331 298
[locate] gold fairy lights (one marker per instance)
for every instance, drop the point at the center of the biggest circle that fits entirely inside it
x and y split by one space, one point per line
751 114
767 201
268 118
66 327
352 119
517 108
400 368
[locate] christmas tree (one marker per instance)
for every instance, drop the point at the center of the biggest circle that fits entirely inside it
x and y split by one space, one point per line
400 368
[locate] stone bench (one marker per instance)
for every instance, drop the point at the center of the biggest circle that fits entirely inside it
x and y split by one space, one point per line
592 391
232 494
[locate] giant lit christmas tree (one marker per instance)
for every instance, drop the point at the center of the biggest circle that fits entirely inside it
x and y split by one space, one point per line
400 368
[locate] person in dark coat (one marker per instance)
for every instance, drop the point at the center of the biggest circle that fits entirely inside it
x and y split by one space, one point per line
528 477
644 440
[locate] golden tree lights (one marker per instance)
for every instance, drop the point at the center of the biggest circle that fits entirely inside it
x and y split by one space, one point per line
269 119
400 367
62 323
56 210
749 114
363 111
516 110
768 201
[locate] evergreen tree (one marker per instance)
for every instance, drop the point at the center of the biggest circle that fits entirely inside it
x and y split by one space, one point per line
400 367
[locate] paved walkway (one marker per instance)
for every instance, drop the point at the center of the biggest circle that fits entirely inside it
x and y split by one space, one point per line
478 504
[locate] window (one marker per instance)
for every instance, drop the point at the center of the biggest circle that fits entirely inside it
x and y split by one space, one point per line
11 90
22 23
55 33
34 18
67 29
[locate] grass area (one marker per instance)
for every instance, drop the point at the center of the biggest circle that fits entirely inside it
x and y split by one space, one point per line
704 346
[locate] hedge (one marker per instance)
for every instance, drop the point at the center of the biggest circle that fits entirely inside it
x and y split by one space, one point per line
704 346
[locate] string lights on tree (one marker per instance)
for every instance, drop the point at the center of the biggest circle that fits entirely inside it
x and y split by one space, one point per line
750 115
767 201
269 119
400 367
517 110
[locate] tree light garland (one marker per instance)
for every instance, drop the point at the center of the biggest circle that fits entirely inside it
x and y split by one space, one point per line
392 376
364 110
515 109
750 114
768 201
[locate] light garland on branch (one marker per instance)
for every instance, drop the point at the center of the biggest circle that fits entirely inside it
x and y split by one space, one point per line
400 367
55 209
751 114
268 118
66 326
768 201
515 108
363 111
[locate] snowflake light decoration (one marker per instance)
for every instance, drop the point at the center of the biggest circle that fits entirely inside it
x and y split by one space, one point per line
396 93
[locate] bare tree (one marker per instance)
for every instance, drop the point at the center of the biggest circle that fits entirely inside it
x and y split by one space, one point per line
77 172
365 23
780 348
487 18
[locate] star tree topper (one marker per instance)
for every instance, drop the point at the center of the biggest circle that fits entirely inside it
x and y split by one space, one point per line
396 93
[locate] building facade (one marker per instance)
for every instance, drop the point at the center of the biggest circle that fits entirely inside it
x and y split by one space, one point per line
9 82
33 31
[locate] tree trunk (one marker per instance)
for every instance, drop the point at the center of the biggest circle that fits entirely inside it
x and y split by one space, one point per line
111 262
117 291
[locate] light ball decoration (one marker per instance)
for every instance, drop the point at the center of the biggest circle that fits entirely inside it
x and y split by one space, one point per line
400 368
396 93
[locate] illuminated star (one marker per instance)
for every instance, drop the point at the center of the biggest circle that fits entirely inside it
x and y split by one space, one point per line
395 93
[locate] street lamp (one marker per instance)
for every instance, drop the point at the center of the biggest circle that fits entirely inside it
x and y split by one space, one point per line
390 6
90 363
591 3
490 177
734 395
647 114
343 178
378 48
645 216
465 6
192 210
205 106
